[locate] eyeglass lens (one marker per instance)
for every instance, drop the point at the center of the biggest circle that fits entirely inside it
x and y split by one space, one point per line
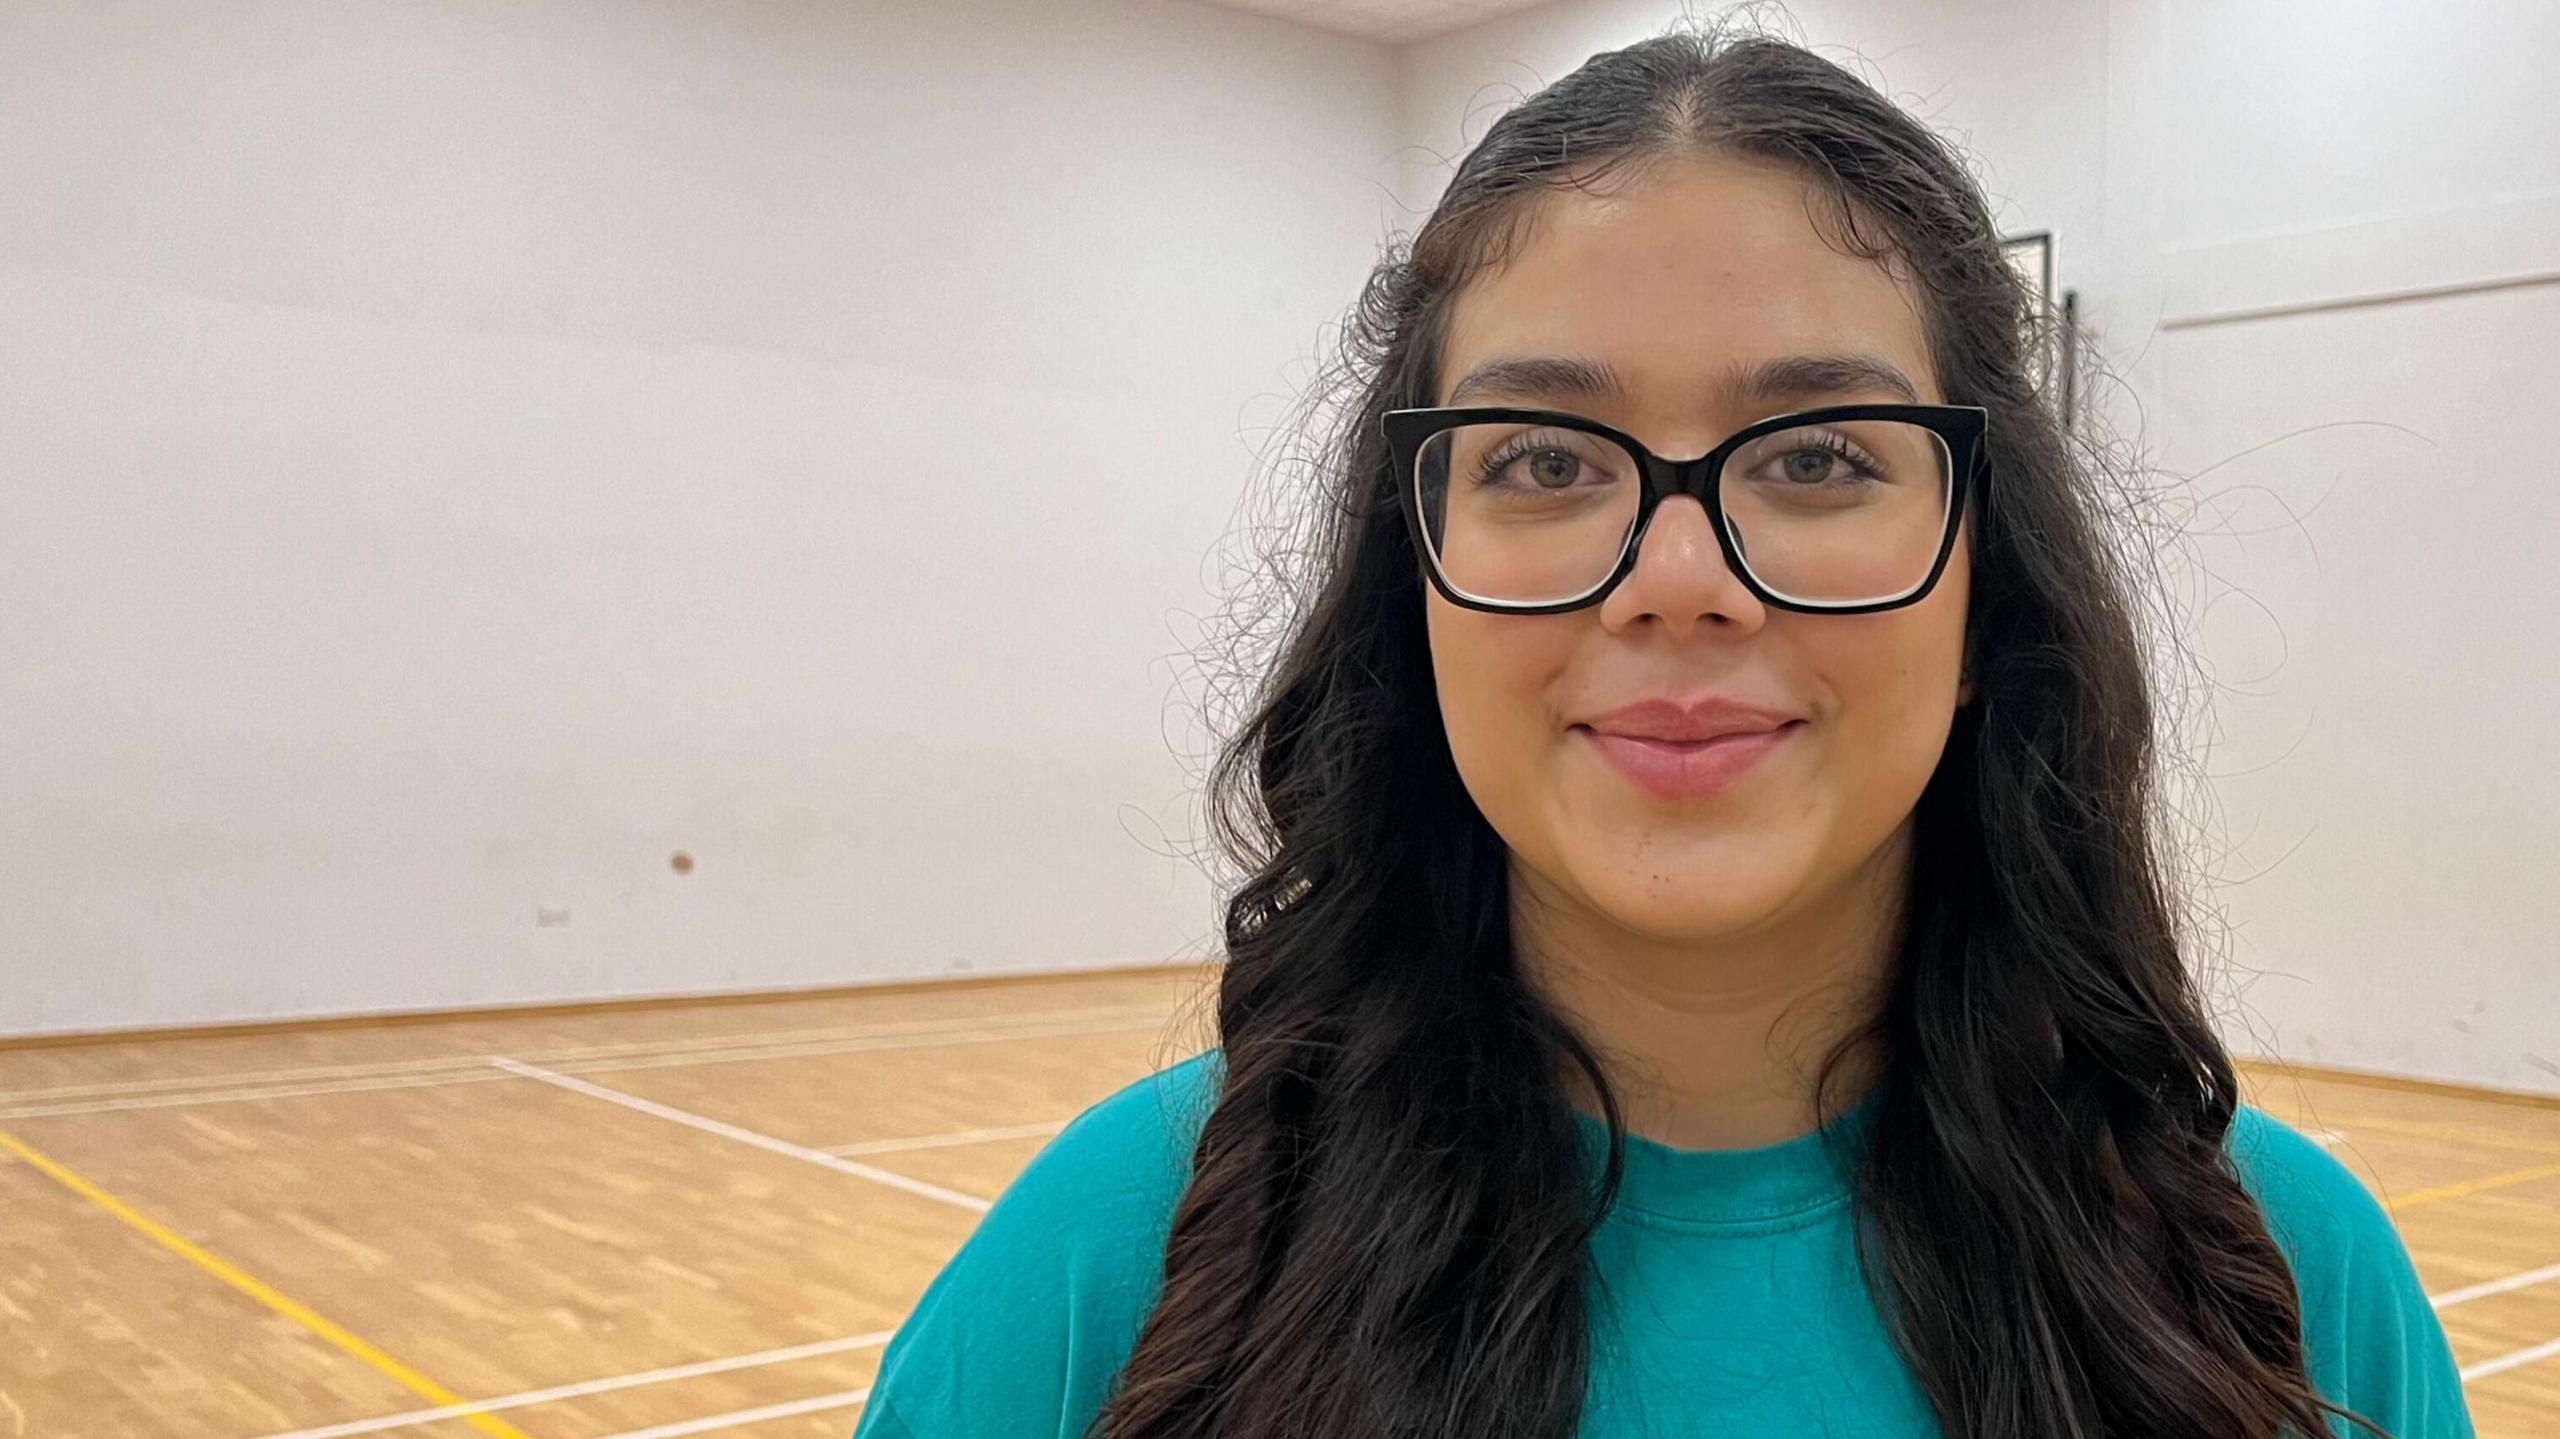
1838 511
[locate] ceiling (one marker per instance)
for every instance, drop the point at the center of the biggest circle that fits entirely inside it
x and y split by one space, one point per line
1392 21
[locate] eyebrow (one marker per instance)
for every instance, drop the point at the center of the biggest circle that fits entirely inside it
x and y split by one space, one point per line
1777 381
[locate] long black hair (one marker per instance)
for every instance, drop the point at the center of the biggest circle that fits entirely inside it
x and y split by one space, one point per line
1386 1228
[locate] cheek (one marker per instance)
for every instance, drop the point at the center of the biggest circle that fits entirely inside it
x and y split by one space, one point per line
1493 674
1895 680
1896 689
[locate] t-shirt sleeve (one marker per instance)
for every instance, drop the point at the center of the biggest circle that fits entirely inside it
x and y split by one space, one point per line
2371 1336
1024 1329
879 1421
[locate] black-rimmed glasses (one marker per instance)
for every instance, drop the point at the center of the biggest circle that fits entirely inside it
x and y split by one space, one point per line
1842 510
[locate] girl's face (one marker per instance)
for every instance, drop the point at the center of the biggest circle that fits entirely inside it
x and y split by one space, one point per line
1682 284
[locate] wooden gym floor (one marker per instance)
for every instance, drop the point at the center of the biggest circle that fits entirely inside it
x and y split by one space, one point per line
706 1218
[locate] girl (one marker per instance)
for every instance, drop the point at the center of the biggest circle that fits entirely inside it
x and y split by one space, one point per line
1707 964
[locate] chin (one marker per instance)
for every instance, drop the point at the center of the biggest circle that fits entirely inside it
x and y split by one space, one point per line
1686 902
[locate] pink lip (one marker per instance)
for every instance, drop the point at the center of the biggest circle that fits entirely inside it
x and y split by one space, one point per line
1686 769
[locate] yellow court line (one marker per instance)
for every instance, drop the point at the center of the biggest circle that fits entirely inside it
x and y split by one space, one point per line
2415 1198
249 1284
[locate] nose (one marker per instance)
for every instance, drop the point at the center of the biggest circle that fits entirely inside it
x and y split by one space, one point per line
1680 579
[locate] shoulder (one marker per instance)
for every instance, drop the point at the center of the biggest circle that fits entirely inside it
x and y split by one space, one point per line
2316 1207
1137 1140
2371 1336
1099 1196
1024 1328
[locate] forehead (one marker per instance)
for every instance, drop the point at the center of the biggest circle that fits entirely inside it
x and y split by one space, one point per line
1684 285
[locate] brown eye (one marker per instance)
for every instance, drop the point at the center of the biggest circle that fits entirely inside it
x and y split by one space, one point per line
1544 463
1554 469
1809 466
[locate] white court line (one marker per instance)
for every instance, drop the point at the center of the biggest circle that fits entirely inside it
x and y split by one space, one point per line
726 1130
945 1141
2504 1362
591 1386
425 1064
227 1079
234 1096
2521 1357
819 1405
847 1046
2482 1290
601 1066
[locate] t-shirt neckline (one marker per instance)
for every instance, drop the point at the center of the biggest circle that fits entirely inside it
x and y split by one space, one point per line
1772 1186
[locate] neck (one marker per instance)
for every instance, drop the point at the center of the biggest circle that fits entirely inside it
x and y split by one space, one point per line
1716 1043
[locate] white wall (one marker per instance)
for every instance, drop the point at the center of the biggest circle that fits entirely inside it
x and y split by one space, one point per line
2379 516
2373 601
459 455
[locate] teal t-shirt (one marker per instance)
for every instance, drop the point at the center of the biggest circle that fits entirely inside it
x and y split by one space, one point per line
1731 1302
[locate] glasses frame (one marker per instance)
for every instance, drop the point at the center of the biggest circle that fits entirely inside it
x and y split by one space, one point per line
1959 427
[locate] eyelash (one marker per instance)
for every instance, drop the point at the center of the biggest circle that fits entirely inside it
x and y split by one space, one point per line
1503 454
1840 446
1528 444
